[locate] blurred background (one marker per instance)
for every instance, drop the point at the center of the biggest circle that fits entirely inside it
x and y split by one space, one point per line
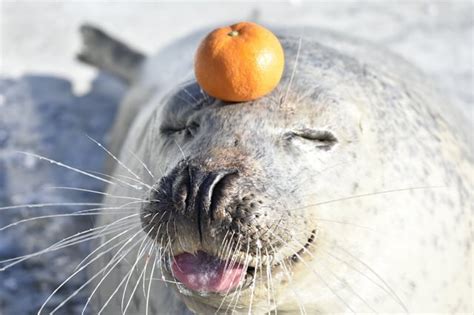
41 36
50 103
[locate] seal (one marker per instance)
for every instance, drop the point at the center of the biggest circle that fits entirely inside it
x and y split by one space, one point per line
344 190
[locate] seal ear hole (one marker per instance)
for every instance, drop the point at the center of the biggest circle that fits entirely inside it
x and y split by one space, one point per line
323 139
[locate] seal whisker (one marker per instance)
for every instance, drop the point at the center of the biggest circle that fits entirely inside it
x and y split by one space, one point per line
226 266
140 252
118 286
147 300
377 275
241 285
180 150
380 286
120 209
112 263
269 280
287 273
223 254
93 236
252 288
223 243
247 261
106 242
317 274
98 234
95 233
171 254
206 97
349 224
145 267
74 214
259 254
80 268
42 205
293 72
162 254
224 249
169 251
116 159
95 192
66 242
142 239
148 233
239 288
190 95
166 281
369 229
65 166
121 179
138 181
230 262
187 102
339 279
227 249
54 247
85 212
150 242
382 192
153 177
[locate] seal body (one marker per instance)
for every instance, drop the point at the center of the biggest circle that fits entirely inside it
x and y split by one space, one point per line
346 189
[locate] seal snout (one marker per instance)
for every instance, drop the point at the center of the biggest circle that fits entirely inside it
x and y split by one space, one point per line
197 199
195 190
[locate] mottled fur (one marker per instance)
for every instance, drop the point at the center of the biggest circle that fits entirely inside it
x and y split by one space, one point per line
389 196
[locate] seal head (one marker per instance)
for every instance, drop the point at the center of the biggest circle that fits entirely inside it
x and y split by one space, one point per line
233 204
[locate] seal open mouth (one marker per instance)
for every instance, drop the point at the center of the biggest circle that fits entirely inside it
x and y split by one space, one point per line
205 273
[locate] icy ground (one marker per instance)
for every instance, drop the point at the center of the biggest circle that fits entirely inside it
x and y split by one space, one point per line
40 113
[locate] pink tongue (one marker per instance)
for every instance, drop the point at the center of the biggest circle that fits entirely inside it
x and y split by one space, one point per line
205 273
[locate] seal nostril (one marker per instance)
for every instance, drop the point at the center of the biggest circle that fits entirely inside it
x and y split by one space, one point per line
181 186
217 191
212 191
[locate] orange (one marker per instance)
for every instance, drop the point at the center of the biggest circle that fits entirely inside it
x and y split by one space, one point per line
241 62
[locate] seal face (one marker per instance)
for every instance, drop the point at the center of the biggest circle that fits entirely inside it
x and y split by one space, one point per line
309 199
236 192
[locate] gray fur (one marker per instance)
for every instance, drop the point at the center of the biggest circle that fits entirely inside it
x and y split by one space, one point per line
390 198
